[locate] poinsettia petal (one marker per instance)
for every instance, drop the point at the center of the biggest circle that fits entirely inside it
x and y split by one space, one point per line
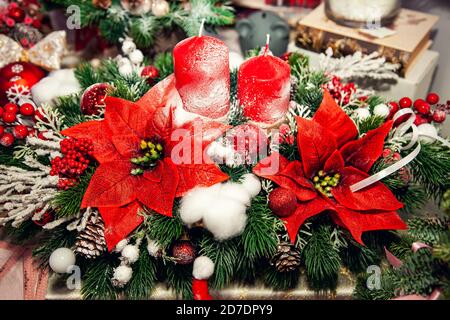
198 175
159 196
100 135
126 118
363 153
155 174
374 197
331 116
334 163
357 222
316 144
120 222
112 185
158 95
305 210
271 165
162 126
127 145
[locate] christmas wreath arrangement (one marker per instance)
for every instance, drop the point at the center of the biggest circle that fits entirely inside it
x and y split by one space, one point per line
190 174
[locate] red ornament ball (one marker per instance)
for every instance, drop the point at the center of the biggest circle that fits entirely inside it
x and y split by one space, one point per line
22 74
20 131
151 73
93 98
439 116
11 107
420 119
423 108
2 130
394 108
1 112
405 102
7 140
9 117
27 109
184 252
282 202
18 14
418 103
432 98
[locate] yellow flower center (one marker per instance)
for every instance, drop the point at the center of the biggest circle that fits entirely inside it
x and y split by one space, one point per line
324 183
151 152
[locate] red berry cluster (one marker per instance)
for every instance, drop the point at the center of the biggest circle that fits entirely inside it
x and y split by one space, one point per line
427 110
10 127
28 13
340 92
74 162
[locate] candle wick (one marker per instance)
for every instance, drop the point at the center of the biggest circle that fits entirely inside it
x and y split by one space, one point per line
202 27
266 50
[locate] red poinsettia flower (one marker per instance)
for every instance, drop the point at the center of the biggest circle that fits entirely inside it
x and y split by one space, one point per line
133 145
332 160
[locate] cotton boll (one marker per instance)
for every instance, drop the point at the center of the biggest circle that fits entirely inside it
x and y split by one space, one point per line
203 268
136 57
57 84
154 249
236 192
252 184
128 47
362 113
130 253
381 110
196 203
226 218
125 70
121 245
122 275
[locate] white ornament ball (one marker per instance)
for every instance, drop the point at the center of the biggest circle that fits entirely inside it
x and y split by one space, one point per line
252 184
381 110
226 218
126 70
160 8
203 268
426 132
153 248
130 253
136 57
128 47
119 247
122 274
61 259
362 113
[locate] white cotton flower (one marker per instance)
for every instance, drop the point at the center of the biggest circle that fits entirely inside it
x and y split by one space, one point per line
57 84
236 191
203 268
119 247
361 113
252 184
197 202
128 46
136 57
381 110
130 253
122 275
153 248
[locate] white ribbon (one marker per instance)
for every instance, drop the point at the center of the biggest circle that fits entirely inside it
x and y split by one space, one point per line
400 132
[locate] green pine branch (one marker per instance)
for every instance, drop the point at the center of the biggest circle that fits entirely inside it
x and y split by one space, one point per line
164 230
97 283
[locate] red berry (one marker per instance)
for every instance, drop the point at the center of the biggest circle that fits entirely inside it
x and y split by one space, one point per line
418 103
7 140
394 108
420 119
432 98
423 108
27 109
1 112
11 107
2 130
439 116
405 102
9 117
20 131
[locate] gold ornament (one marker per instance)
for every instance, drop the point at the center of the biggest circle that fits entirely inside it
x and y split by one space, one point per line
160 8
102 4
46 53
137 7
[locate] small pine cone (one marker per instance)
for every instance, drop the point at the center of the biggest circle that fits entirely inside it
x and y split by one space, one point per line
287 258
90 242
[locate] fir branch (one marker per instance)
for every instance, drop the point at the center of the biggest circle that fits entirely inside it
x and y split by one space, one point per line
281 280
362 292
235 173
179 278
259 238
97 283
357 257
68 202
22 234
87 75
164 63
428 230
162 229
368 124
143 30
7 158
69 108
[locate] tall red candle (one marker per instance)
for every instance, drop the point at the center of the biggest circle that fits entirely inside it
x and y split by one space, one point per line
202 75
264 88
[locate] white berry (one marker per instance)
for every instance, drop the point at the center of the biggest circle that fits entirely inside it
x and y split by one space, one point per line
61 259
381 110
136 57
362 113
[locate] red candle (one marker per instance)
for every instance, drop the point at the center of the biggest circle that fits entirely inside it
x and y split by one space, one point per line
202 75
264 88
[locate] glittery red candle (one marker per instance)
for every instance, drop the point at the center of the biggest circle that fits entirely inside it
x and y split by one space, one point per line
202 75
264 88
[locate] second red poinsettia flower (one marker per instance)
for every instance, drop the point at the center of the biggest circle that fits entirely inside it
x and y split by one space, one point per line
133 145
332 160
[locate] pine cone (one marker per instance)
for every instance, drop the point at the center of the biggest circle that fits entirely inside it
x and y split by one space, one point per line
90 242
287 258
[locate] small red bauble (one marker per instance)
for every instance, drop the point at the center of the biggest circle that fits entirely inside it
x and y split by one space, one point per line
184 252
2 130
20 131
418 103
151 73
282 202
7 140
93 98
420 119
423 108
439 116
432 98
11 107
27 109
9 117
394 108
1 112
405 102
18 14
